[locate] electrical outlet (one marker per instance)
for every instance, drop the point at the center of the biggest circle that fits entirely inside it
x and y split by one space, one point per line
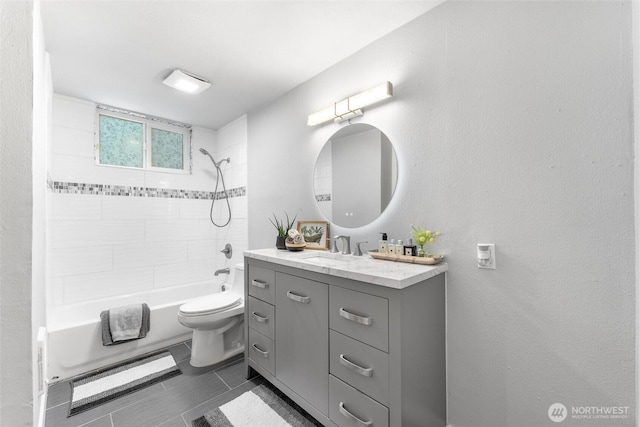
487 255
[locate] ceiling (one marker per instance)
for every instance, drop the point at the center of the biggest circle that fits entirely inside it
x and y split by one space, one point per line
118 52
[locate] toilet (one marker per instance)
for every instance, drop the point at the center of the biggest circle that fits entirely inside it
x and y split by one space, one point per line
217 321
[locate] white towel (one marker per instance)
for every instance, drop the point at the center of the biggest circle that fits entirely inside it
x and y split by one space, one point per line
125 322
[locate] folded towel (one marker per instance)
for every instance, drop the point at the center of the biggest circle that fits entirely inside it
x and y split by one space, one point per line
108 337
125 322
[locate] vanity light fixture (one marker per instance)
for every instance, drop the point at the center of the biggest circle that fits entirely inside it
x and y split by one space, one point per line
351 106
186 82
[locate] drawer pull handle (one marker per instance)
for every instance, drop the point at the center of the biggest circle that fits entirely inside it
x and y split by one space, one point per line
352 417
259 319
264 353
365 372
298 298
260 283
355 318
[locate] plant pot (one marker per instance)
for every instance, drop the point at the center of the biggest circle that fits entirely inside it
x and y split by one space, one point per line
280 242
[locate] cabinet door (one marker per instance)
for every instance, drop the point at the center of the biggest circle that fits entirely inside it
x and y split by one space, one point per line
302 335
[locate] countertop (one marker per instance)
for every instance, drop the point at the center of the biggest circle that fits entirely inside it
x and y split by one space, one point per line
397 275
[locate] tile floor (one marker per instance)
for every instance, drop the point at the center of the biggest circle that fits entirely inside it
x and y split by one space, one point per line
171 403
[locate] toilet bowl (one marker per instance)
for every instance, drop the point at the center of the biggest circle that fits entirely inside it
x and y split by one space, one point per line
217 322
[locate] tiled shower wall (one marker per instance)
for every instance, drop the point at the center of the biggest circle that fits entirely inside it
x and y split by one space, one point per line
117 230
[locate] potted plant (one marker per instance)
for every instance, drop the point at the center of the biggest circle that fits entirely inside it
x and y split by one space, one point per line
283 229
423 237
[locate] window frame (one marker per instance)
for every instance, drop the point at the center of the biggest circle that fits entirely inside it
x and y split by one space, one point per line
147 153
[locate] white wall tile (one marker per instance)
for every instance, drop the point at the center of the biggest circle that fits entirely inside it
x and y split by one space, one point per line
75 142
188 272
208 249
82 260
176 230
195 208
83 169
74 234
73 113
149 254
122 207
75 206
87 287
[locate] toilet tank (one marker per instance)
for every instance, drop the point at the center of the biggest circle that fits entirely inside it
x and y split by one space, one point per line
237 286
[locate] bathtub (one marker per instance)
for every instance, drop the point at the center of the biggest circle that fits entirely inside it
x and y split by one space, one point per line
75 337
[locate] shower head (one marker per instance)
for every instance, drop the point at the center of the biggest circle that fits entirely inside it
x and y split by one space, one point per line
216 164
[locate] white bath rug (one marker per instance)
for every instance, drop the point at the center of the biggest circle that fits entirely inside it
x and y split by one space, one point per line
263 406
103 386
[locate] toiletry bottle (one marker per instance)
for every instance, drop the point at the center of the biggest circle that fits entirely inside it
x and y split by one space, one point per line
410 249
382 244
399 248
391 247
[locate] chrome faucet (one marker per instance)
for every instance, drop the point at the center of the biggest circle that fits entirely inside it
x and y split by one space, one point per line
358 251
222 271
346 246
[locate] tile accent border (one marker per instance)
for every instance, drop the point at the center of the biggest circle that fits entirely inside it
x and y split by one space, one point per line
323 197
127 191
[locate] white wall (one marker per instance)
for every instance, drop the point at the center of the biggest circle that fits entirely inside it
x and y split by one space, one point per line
16 126
512 124
42 98
105 245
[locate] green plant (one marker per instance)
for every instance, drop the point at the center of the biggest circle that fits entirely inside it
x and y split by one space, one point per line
422 237
283 227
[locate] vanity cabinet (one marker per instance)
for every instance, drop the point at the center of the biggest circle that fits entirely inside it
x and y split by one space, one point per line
349 352
302 308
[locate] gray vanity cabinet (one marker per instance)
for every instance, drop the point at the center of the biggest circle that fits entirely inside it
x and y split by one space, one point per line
350 353
301 328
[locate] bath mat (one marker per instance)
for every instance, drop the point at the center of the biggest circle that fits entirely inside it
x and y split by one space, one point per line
103 386
263 405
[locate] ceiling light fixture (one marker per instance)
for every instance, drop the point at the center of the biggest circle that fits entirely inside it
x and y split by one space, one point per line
186 82
352 106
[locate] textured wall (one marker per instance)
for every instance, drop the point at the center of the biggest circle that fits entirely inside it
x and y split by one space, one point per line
513 125
16 97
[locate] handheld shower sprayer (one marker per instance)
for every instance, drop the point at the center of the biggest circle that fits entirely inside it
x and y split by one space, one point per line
216 164
219 177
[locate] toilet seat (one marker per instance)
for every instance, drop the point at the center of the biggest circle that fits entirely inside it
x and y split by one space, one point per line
210 304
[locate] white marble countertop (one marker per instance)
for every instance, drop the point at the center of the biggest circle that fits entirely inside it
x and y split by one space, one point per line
397 275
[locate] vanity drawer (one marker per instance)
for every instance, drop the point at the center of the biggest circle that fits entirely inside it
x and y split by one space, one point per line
350 408
261 317
360 365
262 351
361 316
262 283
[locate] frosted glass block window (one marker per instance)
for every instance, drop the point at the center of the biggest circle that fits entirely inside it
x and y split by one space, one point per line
121 142
167 149
132 140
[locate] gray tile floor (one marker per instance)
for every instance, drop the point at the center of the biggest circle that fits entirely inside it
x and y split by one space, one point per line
171 403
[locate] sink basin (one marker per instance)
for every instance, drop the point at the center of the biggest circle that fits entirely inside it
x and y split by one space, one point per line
328 259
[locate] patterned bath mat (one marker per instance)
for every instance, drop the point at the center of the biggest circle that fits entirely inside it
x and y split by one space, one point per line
263 405
103 386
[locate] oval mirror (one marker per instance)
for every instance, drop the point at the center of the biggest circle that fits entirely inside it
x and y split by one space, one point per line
355 175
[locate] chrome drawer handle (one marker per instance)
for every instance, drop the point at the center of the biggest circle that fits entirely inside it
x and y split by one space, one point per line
365 372
259 318
260 283
298 298
352 417
355 318
264 353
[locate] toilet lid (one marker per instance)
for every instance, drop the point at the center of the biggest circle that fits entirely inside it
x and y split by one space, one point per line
211 304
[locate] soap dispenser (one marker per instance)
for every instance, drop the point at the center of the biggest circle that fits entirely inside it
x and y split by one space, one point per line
382 244
391 247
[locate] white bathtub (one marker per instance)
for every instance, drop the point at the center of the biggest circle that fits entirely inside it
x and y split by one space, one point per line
75 337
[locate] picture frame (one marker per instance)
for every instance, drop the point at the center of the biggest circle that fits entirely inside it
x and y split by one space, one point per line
315 233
